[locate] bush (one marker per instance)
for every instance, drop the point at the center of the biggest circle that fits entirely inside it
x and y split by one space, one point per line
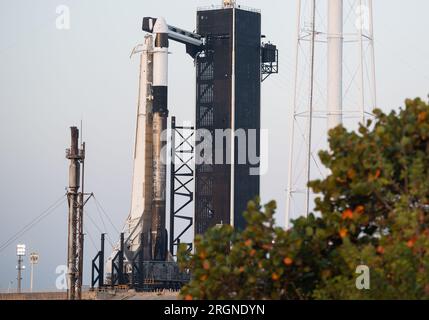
373 210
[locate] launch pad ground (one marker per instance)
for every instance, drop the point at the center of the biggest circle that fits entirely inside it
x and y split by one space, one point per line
95 295
132 295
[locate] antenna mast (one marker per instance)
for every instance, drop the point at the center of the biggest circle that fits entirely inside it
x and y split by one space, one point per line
332 38
76 203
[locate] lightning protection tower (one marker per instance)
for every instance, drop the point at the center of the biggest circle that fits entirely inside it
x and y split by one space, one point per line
334 85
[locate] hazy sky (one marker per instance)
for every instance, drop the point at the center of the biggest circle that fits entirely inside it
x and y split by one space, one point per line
51 79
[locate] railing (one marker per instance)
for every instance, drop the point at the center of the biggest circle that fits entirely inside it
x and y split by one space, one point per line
220 7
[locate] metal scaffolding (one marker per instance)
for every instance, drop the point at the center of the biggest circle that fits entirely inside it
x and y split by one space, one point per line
181 177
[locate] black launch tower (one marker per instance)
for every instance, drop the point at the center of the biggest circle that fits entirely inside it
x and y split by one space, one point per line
229 70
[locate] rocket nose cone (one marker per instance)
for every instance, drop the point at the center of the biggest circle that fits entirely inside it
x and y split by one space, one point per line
160 26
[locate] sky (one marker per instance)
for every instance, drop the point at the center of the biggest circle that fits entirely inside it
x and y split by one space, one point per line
52 79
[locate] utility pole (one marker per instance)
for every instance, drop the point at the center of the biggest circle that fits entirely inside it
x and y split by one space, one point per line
76 156
34 259
20 252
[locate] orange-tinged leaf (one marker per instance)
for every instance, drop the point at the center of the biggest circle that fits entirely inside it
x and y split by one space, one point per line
252 252
343 233
203 255
287 261
206 265
422 116
377 173
380 250
347 214
360 209
188 297
326 273
203 277
351 173
411 242
267 246
248 243
275 276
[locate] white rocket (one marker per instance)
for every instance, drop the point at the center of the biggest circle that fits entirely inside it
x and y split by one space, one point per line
160 67
148 201
140 217
160 115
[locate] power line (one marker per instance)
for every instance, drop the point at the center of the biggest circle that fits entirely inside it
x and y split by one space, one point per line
33 223
102 220
99 207
90 238
98 228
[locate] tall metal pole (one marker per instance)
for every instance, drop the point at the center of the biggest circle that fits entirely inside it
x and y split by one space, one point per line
361 68
19 278
335 36
172 182
75 233
34 259
80 225
293 118
310 106
20 252
101 263
373 74
121 278
31 277
335 63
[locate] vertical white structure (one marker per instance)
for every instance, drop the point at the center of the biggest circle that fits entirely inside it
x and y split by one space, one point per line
335 63
160 115
34 259
140 216
148 200
334 85
20 252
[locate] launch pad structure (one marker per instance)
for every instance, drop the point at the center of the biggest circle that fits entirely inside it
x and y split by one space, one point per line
231 63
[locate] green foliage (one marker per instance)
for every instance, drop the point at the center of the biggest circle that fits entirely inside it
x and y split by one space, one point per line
237 265
373 210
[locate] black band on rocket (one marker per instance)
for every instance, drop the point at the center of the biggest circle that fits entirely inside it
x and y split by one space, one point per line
160 99
161 40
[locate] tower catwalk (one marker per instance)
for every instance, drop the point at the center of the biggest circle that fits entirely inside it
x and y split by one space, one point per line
334 85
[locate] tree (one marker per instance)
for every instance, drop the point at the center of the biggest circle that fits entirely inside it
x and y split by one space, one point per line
378 196
373 210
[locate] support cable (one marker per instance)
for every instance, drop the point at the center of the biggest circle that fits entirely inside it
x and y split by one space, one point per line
33 222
